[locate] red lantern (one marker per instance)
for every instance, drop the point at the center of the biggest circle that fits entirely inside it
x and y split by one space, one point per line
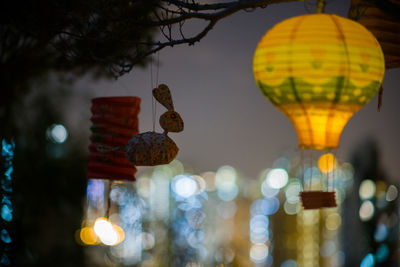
115 121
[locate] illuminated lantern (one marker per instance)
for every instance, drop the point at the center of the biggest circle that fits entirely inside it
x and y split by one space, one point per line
115 121
318 70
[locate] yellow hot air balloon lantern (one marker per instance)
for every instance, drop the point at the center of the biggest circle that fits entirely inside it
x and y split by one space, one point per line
318 69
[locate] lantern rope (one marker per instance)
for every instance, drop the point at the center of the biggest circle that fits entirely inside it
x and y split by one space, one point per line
107 211
302 166
153 103
312 170
334 174
152 97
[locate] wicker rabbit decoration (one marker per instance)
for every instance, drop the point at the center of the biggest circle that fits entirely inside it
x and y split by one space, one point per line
151 148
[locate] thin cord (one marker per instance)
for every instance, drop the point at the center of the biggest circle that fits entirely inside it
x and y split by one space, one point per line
153 104
108 200
312 170
334 174
302 165
327 166
158 66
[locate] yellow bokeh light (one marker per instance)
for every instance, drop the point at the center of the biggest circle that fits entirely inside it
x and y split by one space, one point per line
120 233
88 236
327 163
318 69
333 221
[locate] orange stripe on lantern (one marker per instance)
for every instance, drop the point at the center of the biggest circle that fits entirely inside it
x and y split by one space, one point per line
115 121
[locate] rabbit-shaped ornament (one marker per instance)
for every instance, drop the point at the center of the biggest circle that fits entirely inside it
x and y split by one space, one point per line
151 148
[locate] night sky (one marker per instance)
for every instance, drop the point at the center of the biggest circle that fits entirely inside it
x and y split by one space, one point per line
227 119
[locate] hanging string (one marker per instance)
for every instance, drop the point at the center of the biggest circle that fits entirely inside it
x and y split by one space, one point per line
107 215
312 170
158 66
327 167
153 103
302 167
152 97
334 174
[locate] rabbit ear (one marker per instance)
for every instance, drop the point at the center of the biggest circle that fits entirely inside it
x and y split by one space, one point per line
163 95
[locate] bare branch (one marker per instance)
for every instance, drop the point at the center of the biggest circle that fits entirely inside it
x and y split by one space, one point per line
168 19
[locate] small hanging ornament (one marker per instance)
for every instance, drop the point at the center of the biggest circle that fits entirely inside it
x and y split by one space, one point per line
151 148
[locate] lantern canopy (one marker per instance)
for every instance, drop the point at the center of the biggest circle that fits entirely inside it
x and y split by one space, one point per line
115 121
318 69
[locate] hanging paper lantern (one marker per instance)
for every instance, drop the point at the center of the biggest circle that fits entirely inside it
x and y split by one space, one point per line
114 123
318 70
382 18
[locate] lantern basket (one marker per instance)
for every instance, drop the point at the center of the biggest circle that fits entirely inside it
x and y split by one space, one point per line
318 199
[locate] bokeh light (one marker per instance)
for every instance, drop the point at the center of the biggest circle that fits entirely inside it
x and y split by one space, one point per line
291 208
88 236
327 163
57 133
266 206
333 221
268 191
382 253
209 178
5 236
227 192
6 210
368 260
258 253
225 175
367 189
108 233
366 210
381 232
292 191
184 186
392 193
277 178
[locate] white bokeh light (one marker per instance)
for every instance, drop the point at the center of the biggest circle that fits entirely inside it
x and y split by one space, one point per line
57 133
277 178
258 253
184 186
106 232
